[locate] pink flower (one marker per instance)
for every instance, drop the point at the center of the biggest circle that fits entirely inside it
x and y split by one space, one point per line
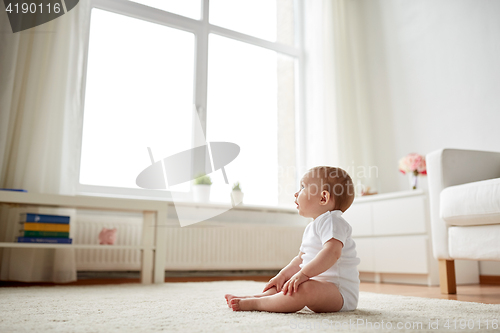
414 163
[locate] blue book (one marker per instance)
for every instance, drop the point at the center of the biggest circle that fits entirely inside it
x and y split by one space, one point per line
44 240
13 189
44 218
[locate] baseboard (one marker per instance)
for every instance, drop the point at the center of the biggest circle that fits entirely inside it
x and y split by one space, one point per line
489 279
417 279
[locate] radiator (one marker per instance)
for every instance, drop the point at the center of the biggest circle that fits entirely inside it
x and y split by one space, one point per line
220 247
232 247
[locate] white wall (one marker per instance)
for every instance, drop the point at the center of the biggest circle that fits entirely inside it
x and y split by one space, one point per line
433 79
433 70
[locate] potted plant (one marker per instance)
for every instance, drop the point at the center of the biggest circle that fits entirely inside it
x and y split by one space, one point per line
237 194
201 188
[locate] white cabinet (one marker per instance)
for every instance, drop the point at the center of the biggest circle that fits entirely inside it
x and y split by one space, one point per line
365 251
360 218
399 216
392 235
393 240
401 254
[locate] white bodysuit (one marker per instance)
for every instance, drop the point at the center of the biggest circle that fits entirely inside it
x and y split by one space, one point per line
344 273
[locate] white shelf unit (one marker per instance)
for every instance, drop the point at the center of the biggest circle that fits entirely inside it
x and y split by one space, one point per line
153 230
71 246
393 239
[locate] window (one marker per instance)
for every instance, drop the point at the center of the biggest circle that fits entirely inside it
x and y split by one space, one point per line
150 61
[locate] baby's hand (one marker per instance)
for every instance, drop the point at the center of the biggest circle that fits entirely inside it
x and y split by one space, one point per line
277 282
292 285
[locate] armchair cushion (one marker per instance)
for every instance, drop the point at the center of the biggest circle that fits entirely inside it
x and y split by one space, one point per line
475 242
476 203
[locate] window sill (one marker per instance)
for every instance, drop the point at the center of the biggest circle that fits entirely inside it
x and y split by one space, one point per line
241 207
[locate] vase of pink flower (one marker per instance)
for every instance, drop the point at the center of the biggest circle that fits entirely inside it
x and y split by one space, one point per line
413 165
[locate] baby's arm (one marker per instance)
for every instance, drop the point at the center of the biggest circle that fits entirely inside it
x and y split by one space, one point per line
325 259
286 273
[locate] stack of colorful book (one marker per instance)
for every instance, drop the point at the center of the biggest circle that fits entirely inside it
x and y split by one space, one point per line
42 228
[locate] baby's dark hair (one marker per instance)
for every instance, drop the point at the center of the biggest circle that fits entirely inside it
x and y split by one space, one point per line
337 182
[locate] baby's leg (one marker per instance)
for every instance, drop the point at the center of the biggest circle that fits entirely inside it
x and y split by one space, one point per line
268 292
319 296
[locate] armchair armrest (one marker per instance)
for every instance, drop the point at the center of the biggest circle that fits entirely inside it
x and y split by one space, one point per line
449 167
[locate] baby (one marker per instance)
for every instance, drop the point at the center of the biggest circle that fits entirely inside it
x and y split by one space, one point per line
324 275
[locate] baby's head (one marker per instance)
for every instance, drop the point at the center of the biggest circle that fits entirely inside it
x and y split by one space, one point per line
324 189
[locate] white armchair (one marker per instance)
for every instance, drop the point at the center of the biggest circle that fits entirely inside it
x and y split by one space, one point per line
464 192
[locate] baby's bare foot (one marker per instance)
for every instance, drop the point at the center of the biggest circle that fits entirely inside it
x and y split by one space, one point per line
229 297
244 304
235 304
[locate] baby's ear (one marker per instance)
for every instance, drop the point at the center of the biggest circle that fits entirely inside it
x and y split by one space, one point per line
325 197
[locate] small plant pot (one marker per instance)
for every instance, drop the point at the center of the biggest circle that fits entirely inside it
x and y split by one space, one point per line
237 197
201 193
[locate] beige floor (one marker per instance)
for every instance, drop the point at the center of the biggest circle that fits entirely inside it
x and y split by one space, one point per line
481 293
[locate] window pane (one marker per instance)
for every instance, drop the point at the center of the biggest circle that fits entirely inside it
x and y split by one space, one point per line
246 106
188 8
139 94
270 20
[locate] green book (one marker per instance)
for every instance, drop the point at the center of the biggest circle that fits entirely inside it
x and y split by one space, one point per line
28 233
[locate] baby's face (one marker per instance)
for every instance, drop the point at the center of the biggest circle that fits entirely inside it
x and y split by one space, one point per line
308 197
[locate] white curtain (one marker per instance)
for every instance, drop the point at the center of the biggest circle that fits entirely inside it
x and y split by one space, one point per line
337 130
40 127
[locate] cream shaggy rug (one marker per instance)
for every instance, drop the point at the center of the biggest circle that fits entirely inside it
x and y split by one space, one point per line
201 307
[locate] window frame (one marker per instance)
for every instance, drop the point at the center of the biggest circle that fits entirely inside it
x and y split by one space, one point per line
201 29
